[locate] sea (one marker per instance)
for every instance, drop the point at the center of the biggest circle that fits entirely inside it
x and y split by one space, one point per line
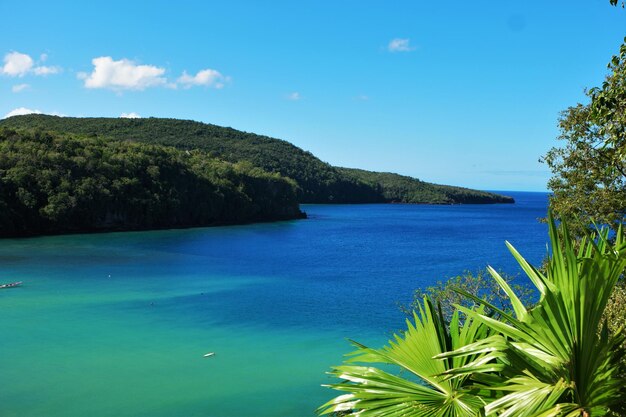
117 324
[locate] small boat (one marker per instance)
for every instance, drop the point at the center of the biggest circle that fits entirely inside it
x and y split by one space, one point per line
11 285
208 355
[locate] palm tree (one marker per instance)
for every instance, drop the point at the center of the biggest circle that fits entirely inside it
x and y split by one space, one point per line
425 391
554 359
557 358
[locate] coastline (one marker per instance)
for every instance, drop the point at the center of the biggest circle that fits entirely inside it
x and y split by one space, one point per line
302 215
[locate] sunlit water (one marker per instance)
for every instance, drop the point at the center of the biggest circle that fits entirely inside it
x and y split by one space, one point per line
117 324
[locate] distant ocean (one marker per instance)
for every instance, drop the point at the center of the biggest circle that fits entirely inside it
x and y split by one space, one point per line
117 324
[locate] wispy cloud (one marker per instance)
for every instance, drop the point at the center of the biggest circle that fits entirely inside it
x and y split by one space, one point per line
18 88
206 77
400 45
45 70
362 97
20 111
519 172
294 96
131 115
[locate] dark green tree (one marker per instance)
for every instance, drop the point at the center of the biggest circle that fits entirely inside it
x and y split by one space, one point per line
480 284
589 171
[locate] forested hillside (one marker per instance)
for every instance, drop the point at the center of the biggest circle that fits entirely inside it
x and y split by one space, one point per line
403 189
58 183
318 182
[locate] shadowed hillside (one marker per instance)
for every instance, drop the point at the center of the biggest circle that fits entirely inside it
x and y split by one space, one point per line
59 183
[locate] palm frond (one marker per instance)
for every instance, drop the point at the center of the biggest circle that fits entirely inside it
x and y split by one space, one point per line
553 355
423 389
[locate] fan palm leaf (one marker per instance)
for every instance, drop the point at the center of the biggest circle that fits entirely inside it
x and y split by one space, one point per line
421 388
554 360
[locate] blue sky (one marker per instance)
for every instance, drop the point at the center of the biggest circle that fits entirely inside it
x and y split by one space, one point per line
464 93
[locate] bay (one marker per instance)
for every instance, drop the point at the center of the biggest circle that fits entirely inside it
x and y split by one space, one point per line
117 324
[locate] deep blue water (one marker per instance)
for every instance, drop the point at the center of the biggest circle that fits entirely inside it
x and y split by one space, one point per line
275 300
349 260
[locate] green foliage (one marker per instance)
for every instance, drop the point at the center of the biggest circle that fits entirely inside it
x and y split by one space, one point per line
446 294
53 183
589 171
318 181
615 313
402 189
615 317
425 390
557 358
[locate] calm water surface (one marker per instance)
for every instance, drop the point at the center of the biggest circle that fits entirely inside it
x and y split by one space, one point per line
116 324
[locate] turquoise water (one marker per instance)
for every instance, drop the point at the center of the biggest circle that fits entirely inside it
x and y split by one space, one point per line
117 324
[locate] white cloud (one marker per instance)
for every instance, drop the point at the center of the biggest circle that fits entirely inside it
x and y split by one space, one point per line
400 45
295 96
44 70
128 75
122 75
206 77
20 111
16 64
20 87
362 97
131 115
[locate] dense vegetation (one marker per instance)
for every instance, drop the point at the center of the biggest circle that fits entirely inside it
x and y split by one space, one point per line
397 188
53 183
318 182
445 294
589 171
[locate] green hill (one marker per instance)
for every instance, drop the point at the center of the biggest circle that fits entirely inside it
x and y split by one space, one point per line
318 182
397 188
59 183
